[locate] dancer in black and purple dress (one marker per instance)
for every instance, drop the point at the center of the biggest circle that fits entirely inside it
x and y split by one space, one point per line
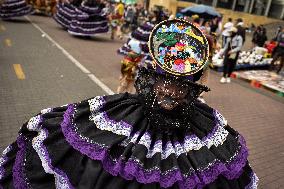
161 137
89 19
65 12
14 8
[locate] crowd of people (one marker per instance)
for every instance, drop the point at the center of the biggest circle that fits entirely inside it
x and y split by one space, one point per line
88 18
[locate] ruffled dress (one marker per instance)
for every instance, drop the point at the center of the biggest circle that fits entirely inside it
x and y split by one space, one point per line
14 8
141 34
65 12
108 142
89 20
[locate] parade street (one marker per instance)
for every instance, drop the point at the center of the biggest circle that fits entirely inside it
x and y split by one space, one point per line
43 66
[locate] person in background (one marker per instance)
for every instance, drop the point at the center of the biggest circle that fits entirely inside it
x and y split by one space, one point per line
130 16
263 37
226 32
116 20
196 20
241 29
231 51
129 66
205 28
279 29
214 25
256 36
278 52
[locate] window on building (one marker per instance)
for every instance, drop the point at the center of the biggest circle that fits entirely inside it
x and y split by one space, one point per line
240 5
227 4
192 1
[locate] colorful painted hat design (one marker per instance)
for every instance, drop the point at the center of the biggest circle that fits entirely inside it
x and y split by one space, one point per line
178 47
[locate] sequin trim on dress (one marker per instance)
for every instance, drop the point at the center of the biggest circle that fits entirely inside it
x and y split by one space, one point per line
19 178
216 137
192 142
254 182
133 169
3 160
61 179
34 124
103 122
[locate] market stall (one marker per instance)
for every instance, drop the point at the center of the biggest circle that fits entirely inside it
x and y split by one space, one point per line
257 58
264 79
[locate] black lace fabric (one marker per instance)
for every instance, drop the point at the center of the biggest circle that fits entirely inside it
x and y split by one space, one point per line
169 100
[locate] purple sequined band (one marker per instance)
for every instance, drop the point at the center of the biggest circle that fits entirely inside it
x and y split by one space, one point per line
131 169
18 169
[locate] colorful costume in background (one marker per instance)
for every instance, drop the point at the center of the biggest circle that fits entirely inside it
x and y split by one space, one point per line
141 34
116 21
161 137
14 8
129 67
46 7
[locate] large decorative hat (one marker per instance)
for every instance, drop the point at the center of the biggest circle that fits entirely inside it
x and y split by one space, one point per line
178 47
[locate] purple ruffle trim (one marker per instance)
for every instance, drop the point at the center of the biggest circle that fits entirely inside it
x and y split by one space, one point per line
147 26
26 11
80 32
133 170
62 21
19 179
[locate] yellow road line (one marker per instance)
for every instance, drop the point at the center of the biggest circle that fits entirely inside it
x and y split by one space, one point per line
3 28
19 71
8 42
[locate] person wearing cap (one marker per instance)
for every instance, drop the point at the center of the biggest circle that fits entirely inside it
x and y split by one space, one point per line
231 51
161 137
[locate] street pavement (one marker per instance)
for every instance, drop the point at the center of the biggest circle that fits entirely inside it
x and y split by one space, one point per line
47 77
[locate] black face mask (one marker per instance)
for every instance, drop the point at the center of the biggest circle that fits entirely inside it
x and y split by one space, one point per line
171 105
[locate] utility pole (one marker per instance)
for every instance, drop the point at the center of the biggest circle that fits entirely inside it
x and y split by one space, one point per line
234 5
246 8
251 6
214 3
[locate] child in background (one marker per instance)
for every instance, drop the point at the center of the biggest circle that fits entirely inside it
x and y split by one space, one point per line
129 66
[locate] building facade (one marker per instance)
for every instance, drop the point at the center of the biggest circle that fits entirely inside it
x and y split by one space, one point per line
268 8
